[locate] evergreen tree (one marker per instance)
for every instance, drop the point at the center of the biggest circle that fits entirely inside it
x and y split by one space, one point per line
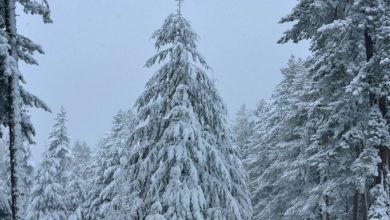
260 107
50 195
274 161
82 156
13 97
243 126
77 188
75 197
350 69
100 202
24 174
180 162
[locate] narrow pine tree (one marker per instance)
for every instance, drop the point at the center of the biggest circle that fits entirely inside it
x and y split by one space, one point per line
351 67
243 127
101 201
78 181
13 97
274 151
49 197
74 197
180 161
81 155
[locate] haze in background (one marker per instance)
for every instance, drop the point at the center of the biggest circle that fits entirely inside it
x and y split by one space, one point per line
96 50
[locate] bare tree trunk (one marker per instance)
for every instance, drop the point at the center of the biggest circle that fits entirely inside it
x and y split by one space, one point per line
355 206
12 151
365 205
325 214
13 105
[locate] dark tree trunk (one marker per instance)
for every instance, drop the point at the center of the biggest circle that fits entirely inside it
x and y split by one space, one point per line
13 106
369 45
355 206
364 206
12 153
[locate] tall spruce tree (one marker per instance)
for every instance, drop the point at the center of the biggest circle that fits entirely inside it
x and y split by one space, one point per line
76 189
274 161
243 127
49 197
13 97
81 157
79 184
101 201
350 68
180 161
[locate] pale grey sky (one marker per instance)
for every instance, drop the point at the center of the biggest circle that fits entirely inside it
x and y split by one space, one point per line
96 50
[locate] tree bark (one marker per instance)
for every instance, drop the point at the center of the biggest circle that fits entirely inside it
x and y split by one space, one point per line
365 205
355 206
13 105
12 150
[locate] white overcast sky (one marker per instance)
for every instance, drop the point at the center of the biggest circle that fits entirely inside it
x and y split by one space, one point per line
96 51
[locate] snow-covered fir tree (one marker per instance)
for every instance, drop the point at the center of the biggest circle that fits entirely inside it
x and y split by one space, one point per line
279 136
24 173
180 161
75 197
81 159
103 186
51 194
347 152
260 107
13 97
243 127
79 184
76 190
81 155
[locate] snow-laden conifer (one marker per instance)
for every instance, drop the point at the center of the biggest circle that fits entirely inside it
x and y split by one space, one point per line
13 97
81 155
243 127
350 72
50 194
24 173
101 201
180 161
274 161
81 158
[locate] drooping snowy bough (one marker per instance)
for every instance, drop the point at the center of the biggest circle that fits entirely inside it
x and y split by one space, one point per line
50 194
14 98
102 199
180 162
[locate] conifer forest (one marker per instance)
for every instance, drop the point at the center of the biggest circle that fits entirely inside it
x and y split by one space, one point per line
317 147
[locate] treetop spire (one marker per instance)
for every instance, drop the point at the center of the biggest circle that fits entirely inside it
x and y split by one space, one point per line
179 5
